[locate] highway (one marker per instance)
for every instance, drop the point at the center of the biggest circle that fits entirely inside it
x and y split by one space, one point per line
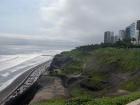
22 83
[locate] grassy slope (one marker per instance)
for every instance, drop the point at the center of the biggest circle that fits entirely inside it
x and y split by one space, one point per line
98 65
127 59
122 100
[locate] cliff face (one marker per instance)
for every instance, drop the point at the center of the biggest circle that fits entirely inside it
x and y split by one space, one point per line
60 61
90 73
106 71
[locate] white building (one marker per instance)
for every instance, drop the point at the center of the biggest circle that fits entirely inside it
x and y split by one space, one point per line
109 37
133 32
116 38
121 35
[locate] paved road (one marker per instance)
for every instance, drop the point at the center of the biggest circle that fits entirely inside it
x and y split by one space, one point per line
22 83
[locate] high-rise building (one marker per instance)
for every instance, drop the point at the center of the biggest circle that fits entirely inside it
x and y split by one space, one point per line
121 35
138 32
127 33
131 32
116 38
109 37
112 38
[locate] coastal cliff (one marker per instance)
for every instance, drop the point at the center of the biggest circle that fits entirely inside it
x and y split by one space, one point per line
96 73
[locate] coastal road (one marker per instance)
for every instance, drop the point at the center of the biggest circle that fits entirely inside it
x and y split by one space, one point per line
23 82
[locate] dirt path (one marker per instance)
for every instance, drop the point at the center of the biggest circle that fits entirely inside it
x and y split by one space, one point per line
52 88
137 102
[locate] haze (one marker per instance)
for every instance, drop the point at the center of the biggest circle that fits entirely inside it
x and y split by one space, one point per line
62 23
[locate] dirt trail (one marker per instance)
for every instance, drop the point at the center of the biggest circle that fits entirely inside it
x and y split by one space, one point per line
137 102
52 88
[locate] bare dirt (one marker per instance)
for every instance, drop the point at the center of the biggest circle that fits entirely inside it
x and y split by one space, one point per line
51 88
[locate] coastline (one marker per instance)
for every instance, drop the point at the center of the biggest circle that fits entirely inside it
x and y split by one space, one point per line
4 93
95 80
13 85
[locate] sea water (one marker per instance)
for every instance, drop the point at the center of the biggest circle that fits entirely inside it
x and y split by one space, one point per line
12 66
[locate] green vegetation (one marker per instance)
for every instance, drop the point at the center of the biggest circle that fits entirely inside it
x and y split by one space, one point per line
74 67
131 85
51 102
125 59
77 91
121 100
105 69
97 65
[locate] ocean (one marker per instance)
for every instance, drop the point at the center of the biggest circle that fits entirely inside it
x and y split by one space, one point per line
13 65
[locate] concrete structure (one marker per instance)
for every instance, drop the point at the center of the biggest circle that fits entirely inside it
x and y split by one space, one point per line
109 37
112 38
121 35
133 32
138 32
116 38
127 35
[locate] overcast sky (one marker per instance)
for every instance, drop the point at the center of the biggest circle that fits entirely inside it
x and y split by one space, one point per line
63 22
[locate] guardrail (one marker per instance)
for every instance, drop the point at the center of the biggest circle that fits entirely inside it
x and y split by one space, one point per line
30 79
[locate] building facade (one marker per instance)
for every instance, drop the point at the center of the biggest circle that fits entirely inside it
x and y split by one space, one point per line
116 38
138 32
127 33
109 37
121 35
130 34
133 32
